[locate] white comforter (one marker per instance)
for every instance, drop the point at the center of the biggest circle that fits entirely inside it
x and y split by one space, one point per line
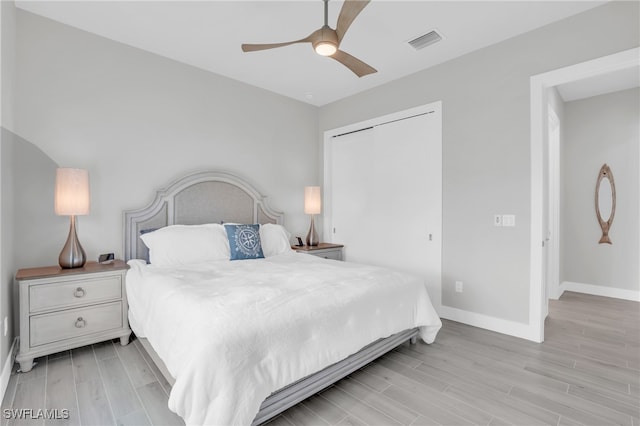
233 332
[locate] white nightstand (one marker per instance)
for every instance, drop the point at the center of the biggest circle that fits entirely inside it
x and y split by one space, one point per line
326 250
61 309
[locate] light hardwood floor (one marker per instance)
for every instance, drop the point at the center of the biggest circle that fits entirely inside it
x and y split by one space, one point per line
586 372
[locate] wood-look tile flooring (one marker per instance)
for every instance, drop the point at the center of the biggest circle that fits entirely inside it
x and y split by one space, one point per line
587 372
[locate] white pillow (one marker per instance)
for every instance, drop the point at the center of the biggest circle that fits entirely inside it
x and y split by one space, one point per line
184 244
275 239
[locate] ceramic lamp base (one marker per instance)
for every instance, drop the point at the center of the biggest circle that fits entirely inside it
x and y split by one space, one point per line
72 254
312 235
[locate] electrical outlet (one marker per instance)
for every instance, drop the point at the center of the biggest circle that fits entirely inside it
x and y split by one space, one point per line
497 220
459 286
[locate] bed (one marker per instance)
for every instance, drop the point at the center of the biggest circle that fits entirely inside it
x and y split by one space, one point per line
265 348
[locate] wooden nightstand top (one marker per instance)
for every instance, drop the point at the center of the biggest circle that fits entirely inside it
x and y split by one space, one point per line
320 246
57 271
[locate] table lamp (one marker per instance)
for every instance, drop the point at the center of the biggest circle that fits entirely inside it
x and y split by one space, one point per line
72 199
312 206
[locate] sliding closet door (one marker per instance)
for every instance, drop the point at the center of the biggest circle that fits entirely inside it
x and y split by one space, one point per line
352 156
386 195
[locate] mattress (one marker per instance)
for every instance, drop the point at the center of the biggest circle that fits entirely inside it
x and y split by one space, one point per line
233 332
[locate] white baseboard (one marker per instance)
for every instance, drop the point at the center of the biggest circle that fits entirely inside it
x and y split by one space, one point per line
499 325
6 370
556 292
523 330
598 290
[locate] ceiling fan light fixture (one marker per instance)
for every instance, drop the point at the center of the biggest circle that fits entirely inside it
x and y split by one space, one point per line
326 40
325 48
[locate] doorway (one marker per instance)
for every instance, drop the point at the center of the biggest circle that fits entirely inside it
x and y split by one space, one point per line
540 85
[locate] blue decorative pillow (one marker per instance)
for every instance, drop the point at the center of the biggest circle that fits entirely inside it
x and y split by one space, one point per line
244 241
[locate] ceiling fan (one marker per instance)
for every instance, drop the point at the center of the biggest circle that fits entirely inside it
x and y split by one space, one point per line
326 40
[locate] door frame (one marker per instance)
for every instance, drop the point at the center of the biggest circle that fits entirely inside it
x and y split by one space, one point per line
539 101
552 277
436 299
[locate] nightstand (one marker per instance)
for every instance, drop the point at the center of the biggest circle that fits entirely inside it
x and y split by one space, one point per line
62 309
326 250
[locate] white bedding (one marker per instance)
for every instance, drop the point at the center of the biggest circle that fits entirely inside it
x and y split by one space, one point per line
233 332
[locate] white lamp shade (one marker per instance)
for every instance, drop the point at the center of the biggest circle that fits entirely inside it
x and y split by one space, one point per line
312 201
72 192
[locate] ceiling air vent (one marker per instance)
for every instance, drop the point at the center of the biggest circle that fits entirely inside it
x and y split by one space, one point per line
425 40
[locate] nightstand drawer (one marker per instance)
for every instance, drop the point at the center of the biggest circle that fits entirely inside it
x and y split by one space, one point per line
329 254
48 296
324 250
48 328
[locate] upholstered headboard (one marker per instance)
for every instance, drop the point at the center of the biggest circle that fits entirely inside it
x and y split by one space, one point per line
205 197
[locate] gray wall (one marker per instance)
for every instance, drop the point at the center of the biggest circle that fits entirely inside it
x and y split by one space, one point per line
7 63
598 130
486 145
138 121
7 259
33 176
26 192
27 216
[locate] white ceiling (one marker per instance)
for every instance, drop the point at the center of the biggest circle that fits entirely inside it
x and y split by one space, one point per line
208 35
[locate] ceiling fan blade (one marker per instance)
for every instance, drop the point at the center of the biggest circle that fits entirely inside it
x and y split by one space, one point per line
348 13
358 67
255 47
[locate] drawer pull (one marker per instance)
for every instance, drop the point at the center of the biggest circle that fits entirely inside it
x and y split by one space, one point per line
80 323
79 292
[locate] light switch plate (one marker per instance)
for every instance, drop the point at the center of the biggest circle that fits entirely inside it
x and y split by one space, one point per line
508 220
